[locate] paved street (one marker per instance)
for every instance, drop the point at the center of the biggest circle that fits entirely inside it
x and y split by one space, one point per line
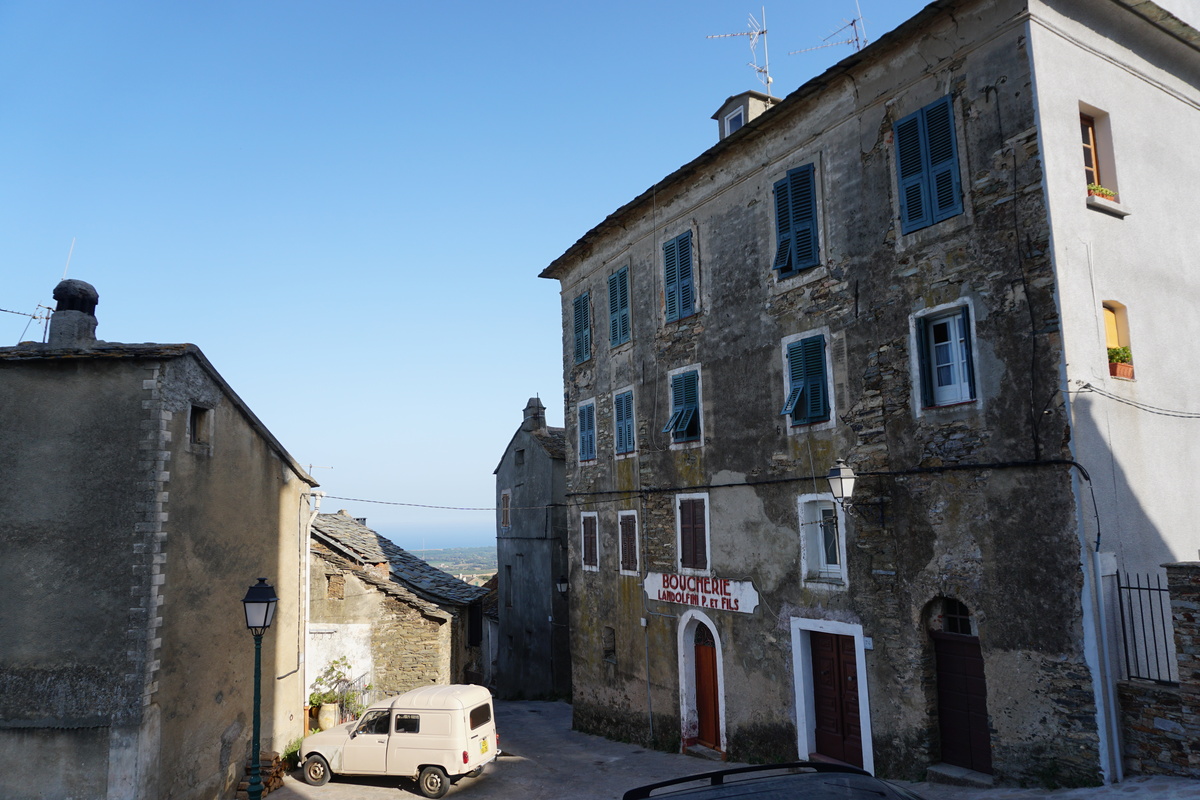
545 760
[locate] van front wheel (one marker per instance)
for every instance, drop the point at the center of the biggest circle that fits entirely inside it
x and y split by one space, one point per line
432 782
316 771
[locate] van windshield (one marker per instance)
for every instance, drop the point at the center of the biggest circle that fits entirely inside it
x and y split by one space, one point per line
481 715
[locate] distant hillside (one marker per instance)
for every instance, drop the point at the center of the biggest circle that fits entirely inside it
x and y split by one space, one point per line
476 561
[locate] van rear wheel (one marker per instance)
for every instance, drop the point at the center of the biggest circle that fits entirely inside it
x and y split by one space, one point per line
432 782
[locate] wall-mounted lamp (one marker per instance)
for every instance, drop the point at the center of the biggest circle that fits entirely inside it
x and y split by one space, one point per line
562 585
841 486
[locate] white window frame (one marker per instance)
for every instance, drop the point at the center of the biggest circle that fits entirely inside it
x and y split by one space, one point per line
829 424
814 569
637 537
923 318
820 271
708 554
699 440
582 542
740 111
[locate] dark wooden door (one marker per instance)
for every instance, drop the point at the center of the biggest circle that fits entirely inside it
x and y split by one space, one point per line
962 702
835 696
708 710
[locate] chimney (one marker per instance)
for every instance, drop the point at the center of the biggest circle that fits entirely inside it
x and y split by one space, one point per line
535 415
73 324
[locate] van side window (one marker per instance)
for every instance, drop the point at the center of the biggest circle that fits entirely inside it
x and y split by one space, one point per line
374 722
481 715
408 723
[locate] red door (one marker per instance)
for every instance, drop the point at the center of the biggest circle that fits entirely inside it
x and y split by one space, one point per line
835 696
962 701
707 702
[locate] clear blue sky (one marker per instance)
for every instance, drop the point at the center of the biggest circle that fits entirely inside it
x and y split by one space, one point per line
346 205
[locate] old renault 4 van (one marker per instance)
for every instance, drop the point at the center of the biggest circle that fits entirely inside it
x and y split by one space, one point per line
435 734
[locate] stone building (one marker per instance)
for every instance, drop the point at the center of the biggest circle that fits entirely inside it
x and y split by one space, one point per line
899 265
533 652
400 622
141 498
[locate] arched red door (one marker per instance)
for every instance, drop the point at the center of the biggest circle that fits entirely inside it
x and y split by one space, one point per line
708 707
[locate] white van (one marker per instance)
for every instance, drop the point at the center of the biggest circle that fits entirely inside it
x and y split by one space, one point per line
435 734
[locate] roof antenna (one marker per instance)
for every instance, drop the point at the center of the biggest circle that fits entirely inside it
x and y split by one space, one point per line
857 26
70 253
756 30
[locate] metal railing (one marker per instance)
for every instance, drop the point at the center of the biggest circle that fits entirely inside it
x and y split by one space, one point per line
1146 629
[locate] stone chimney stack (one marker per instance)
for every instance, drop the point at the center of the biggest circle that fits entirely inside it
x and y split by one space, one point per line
535 415
73 324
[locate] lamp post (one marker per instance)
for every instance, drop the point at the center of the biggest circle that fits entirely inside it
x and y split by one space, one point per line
259 604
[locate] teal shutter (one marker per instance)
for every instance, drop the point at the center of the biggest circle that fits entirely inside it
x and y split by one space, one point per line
587 432
808 394
687 300
678 287
927 166
803 188
911 175
925 362
583 328
618 307
945 193
968 346
783 227
623 414
684 423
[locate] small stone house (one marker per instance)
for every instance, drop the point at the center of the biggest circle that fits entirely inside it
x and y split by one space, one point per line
957 261
400 622
533 653
141 499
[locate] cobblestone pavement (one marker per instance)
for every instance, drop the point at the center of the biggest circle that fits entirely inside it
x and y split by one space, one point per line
545 760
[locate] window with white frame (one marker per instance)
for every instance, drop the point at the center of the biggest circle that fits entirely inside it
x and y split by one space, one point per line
623 426
583 328
679 292
587 431
945 357
806 378
591 541
619 329
927 172
627 528
822 543
685 423
797 240
691 529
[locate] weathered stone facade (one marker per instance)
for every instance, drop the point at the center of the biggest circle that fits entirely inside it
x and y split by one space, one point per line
966 525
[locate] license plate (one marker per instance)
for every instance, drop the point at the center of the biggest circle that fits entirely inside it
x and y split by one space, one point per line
483 746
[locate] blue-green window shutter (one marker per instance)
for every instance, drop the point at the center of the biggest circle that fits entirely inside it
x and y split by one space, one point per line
684 423
583 328
927 166
802 186
678 286
623 413
783 227
618 307
923 362
969 346
808 385
587 432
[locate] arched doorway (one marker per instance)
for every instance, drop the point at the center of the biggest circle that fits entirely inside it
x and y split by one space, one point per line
961 689
708 703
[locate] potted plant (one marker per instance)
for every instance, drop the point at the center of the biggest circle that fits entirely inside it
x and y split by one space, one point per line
327 692
1120 362
1096 190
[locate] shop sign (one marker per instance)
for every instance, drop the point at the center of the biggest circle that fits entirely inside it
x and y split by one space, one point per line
702 591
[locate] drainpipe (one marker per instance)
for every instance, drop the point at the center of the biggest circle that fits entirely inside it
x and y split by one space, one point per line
306 571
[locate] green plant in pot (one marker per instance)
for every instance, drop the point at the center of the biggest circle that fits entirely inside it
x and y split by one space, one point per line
1099 191
1120 355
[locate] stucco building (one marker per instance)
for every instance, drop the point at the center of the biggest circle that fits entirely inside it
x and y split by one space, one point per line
898 265
141 498
399 621
533 652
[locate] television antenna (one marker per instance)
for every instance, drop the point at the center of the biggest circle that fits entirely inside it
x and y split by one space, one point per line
756 31
858 35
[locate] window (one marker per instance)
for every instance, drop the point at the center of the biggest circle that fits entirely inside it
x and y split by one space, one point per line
374 723
946 363
678 288
335 587
408 723
627 523
505 508
591 543
734 120
198 425
583 328
1099 157
587 431
823 550
684 423
1091 163
623 422
1116 339
480 715
618 307
519 456
691 513
797 245
807 387
608 641
927 166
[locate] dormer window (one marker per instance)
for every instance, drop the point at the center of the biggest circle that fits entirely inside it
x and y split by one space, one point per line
734 120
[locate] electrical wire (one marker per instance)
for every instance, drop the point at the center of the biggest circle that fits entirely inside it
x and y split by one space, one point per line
1149 409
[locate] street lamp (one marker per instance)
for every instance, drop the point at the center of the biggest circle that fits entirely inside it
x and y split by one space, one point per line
841 481
259 603
561 584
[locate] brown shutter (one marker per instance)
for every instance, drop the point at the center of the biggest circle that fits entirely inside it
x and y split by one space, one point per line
589 542
629 543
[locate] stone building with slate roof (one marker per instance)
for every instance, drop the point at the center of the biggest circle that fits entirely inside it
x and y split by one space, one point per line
401 622
141 498
533 658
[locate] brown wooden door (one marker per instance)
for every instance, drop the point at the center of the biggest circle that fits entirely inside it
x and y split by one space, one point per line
707 701
835 696
962 702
